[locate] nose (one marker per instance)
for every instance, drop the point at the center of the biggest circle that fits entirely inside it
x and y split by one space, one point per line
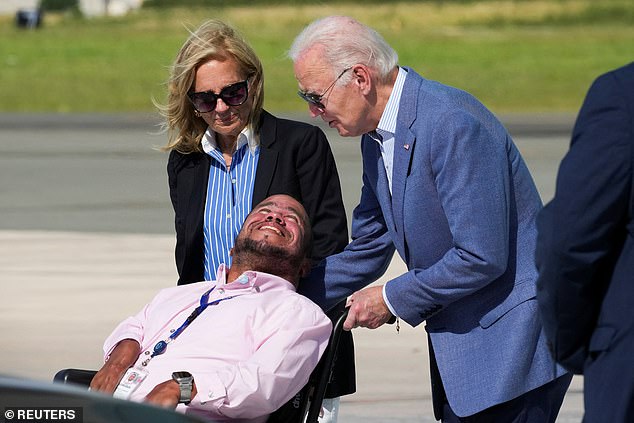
221 106
314 110
274 217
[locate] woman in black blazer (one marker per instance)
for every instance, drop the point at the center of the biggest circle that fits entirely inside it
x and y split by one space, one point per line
295 159
223 144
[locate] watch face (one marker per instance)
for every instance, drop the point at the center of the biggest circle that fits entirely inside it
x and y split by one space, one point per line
181 375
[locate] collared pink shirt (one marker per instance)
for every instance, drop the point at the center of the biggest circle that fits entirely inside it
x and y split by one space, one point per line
248 354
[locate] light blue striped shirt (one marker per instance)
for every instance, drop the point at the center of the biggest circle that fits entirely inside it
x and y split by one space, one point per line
384 136
387 125
229 195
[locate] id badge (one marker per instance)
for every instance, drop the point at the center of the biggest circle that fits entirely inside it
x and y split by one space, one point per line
130 381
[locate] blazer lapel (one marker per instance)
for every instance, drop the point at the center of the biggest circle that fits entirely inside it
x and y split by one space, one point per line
403 146
404 143
267 161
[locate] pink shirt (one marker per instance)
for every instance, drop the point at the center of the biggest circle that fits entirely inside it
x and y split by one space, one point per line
248 354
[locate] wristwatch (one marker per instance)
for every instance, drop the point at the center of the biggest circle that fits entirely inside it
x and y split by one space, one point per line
185 382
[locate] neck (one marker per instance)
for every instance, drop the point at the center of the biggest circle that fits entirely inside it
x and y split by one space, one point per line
227 144
383 92
266 265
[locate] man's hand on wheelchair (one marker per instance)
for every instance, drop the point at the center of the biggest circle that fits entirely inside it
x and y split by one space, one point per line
367 309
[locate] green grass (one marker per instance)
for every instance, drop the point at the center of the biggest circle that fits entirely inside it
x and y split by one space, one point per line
515 56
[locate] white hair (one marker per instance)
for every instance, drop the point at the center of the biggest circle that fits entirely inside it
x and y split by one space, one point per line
346 42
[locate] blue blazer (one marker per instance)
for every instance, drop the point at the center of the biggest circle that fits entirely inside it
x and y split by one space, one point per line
585 251
462 217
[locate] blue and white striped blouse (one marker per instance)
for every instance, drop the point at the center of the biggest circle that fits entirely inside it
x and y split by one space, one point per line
229 194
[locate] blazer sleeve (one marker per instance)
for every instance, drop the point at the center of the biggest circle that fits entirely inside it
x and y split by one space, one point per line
173 164
580 232
174 158
471 173
186 178
364 259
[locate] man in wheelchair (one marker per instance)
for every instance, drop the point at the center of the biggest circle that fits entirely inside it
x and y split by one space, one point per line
236 348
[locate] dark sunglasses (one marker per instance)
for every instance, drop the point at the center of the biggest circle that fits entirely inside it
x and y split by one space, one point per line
315 99
233 95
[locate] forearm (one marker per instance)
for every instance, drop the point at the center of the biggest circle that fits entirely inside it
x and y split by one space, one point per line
120 359
124 354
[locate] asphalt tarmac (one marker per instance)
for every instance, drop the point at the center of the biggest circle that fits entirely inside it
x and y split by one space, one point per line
86 238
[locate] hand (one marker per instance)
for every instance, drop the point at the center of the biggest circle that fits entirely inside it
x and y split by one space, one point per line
166 394
367 309
107 378
123 356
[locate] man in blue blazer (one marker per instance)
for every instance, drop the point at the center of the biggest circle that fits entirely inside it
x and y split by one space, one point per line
444 185
585 251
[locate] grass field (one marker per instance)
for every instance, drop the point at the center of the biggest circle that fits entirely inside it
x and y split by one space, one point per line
516 56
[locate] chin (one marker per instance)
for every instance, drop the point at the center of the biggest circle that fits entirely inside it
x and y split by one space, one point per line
345 133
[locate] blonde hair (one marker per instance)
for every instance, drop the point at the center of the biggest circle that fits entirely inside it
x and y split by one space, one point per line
212 40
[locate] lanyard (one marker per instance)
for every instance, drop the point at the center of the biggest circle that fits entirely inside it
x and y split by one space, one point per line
161 346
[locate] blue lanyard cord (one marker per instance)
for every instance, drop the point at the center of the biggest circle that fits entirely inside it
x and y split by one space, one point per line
161 346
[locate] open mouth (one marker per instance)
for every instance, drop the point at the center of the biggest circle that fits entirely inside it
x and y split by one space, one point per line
271 228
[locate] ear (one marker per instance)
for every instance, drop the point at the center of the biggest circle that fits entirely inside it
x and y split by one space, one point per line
362 77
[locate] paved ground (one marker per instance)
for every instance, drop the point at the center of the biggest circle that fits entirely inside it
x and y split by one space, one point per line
86 239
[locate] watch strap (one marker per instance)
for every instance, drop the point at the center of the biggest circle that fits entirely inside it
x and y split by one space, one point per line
185 384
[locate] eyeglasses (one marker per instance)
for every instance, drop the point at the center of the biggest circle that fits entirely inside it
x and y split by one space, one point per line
233 95
315 99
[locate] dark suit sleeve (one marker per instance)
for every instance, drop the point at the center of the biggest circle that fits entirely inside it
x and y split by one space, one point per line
321 194
581 231
184 172
171 177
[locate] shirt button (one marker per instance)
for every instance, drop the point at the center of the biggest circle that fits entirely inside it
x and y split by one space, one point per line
228 216
233 181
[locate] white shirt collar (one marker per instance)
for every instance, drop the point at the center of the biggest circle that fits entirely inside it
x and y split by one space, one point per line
387 124
246 136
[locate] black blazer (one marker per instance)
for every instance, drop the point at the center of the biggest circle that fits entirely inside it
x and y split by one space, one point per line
295 159
585 251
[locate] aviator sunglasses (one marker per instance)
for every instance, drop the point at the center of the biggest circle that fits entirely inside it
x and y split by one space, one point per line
315 99
233 95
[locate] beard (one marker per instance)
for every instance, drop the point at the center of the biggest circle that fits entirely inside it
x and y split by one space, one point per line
261 256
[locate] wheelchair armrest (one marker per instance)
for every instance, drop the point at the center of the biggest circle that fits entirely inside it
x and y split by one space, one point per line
76 376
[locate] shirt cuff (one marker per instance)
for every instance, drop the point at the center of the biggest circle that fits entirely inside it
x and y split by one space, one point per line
211 392
387 302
